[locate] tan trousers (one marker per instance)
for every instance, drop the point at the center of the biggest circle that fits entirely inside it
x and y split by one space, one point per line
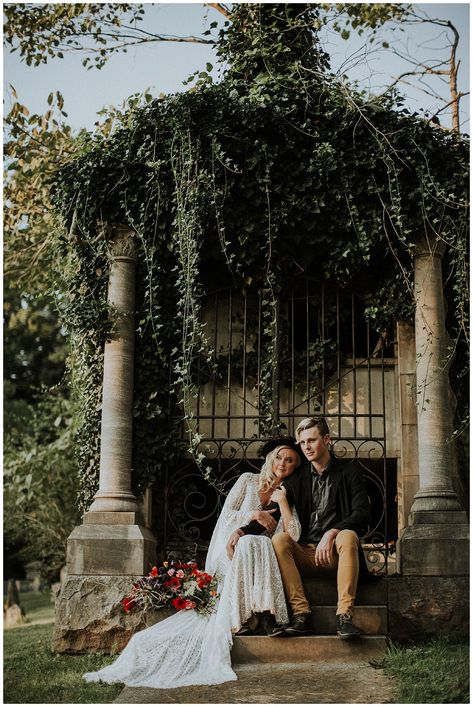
296 561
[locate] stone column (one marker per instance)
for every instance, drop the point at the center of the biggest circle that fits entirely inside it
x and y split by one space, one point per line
408 473
113 546
436 539
114 494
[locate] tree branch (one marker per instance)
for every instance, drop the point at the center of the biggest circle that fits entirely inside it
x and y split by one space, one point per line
454 100
220 8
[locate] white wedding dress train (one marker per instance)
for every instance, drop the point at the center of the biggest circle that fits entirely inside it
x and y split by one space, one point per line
189 648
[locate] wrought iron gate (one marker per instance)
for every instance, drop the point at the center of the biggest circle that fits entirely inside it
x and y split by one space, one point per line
326 360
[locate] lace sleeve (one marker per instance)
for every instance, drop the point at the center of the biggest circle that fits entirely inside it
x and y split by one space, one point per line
242 501
234 512
294 526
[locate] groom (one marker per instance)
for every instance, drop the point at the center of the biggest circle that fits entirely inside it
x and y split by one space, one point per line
330 498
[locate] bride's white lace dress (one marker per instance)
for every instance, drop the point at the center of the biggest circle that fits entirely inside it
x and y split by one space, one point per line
191 649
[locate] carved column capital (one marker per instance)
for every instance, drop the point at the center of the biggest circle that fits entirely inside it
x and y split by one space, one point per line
429 244
123 242
120 238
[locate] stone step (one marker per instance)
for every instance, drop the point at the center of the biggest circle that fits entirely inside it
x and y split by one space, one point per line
371 619
306 649
322 591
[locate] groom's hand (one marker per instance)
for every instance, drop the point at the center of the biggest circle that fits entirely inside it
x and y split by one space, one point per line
232 542
324 549
265 519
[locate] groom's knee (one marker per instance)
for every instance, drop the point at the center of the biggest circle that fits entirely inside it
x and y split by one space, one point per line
282 543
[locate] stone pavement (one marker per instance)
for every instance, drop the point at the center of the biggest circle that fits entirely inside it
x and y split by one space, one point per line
287 683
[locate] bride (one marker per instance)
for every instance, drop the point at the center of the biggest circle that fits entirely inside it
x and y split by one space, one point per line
189 648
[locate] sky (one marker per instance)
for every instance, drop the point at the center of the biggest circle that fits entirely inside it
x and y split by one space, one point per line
163 67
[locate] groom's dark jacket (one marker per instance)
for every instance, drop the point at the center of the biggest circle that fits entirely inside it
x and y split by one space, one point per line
351 500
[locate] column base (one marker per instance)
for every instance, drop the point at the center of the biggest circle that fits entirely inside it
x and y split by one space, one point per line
120 501
434 498
436 550
106 549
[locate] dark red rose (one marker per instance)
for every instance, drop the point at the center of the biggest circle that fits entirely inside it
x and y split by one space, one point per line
128 603
179 603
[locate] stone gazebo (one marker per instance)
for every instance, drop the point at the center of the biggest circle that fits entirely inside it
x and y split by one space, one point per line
114 544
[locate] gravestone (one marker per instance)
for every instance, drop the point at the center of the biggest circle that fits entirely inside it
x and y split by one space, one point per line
13 616
13 595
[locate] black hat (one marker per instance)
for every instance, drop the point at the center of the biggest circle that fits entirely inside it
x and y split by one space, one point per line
279 442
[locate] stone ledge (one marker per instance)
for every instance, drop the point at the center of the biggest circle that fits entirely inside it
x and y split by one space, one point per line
372 620
306 649
323 590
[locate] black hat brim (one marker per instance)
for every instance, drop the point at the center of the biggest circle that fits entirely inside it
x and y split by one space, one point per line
279 442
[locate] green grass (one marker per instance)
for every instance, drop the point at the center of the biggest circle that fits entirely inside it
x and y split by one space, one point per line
33 674
434 672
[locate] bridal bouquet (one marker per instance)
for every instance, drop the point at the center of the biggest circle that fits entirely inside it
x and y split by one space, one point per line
180 585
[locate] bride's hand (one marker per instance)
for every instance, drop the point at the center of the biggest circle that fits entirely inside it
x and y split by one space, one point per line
278 495
232 543
265 519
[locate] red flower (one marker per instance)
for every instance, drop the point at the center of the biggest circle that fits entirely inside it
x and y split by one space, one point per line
203 579
179 603
163 587
128 604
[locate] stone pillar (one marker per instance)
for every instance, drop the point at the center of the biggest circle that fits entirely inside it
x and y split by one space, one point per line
408 473
113 546
114 494
436 539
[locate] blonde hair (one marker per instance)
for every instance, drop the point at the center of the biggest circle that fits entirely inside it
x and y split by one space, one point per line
266 477
308 422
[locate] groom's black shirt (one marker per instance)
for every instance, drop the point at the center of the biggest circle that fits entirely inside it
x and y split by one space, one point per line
324 512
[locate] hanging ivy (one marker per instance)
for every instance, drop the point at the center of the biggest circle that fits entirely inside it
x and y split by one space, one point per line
276 171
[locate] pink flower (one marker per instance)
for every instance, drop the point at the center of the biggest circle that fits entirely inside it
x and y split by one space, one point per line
171 572
180 573
189 604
